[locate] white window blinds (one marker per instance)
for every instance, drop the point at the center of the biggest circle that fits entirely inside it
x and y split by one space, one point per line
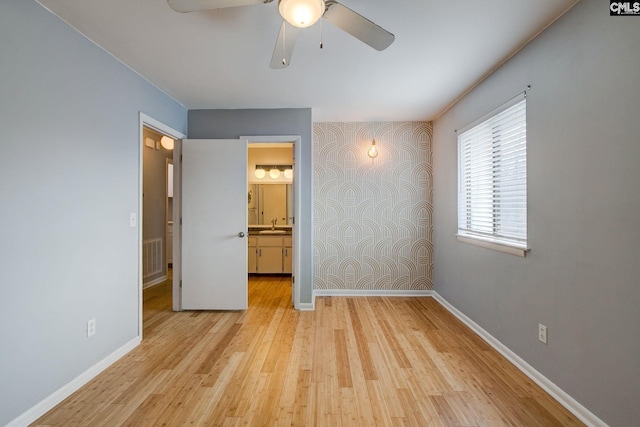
492 176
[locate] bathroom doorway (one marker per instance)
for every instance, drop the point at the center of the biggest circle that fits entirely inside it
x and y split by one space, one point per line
271 211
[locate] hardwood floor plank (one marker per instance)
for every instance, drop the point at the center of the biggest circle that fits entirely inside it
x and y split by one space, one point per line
342 359
387 383
446 413
389 334
361 342
378 404
410 407
366 361
301 415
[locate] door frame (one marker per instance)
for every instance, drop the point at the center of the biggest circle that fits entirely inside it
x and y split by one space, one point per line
149 122
296 140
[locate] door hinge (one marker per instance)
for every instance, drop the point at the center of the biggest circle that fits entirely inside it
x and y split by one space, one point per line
180 284
293 220
293 279
180 221
180 158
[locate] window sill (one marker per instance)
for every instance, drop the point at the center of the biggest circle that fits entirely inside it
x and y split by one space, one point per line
489 244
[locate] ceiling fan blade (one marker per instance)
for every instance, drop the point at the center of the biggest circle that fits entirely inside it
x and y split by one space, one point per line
284 45
197 5
358 26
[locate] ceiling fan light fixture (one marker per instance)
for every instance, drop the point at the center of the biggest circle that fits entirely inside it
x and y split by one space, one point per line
301 13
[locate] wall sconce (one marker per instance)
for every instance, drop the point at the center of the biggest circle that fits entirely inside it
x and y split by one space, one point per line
274 171
167 142
373 151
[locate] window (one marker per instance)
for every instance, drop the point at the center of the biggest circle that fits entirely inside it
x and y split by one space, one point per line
492 180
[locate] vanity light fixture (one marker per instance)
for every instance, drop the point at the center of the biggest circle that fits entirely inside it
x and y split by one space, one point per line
259 173
301 13
274 171
167 142
373 151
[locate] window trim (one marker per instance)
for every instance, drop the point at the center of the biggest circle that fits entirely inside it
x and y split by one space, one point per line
504 247
494 243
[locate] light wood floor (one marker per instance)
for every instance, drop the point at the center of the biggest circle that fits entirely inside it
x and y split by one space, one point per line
353 361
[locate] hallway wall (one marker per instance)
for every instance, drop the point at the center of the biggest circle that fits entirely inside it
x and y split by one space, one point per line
69 117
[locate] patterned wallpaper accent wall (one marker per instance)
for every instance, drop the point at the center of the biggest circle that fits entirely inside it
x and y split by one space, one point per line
372 217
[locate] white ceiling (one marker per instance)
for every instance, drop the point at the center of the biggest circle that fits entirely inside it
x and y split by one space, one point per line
220 58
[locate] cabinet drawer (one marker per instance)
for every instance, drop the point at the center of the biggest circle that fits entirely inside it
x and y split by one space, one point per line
252 242
286 242
269 241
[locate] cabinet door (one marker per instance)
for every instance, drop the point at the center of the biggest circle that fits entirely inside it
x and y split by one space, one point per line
270 259
253 261
252 255
287 261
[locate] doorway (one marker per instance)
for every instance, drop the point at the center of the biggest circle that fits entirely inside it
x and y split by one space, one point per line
297 203
156 217
270 212
156 142
294 196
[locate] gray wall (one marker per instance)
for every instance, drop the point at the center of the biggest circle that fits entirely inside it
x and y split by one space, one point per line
222 124
69 120
582 274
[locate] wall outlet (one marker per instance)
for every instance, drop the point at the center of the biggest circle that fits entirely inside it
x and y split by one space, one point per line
91 327
133 220
542 333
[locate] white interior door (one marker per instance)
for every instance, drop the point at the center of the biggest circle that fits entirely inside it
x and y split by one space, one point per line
214 224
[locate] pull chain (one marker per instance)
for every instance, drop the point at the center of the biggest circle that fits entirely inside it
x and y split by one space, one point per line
284 43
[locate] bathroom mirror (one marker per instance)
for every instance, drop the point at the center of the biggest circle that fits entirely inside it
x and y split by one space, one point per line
269 201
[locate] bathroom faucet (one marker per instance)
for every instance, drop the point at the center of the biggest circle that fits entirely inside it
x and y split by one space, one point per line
273 223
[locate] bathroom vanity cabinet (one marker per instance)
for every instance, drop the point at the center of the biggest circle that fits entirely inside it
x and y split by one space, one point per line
269 254
252 254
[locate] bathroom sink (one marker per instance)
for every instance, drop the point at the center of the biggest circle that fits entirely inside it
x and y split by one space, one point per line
272 232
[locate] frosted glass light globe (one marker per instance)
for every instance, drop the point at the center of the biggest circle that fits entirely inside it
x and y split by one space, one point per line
301 13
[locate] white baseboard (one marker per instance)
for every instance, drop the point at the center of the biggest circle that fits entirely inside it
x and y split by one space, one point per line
362 293
370 293
154 282
65 391
547 385
306 306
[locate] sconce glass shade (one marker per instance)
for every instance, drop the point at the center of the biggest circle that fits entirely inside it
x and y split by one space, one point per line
373 151
301 13
274 173
167 142
288 173
260 173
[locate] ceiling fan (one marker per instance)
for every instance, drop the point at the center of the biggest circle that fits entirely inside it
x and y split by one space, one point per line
298 14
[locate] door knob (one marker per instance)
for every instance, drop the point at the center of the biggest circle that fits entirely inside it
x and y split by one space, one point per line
241 234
